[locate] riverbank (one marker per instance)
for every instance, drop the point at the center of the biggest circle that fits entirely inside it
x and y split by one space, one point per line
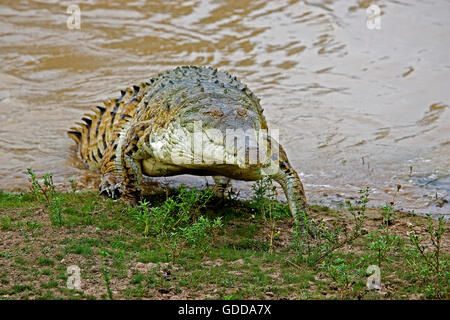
192 244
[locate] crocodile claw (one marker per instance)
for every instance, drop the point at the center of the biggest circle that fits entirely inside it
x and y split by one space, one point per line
110 187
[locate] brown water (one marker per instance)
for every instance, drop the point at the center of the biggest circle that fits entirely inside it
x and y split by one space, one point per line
354 106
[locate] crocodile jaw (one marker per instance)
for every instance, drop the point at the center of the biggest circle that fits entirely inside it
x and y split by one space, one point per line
178 147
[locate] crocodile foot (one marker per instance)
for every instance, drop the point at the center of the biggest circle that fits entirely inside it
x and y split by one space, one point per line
222 183
110 186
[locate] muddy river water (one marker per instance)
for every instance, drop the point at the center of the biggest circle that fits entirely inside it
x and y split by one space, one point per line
356 104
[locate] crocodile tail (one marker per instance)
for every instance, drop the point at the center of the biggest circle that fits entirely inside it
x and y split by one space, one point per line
86 138
97 135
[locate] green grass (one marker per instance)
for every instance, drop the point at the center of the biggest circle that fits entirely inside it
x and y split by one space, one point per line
121 254
45 261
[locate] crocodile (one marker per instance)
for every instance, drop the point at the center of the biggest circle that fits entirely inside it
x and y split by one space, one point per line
189 120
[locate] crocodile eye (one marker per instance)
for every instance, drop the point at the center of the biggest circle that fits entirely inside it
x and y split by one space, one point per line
241 112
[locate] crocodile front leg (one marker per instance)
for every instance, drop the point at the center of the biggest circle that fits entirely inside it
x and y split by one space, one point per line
111 184
288 178
222 183
132 154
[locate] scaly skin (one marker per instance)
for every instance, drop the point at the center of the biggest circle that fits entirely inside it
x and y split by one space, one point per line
147 131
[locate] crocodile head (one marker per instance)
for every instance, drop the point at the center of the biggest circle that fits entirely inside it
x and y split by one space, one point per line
222 138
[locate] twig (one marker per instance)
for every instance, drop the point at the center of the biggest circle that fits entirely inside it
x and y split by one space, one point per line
295 265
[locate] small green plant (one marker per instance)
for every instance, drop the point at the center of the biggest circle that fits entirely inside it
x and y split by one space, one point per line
144 216
388 211
200 234
316 241
379 245
56 209
5 254
260 188
191 201
178 223
46 187
6 223
381 241
33 225
48 182
138 278
428 261
343 273
35 187
73 185
45 261
106 274
264 201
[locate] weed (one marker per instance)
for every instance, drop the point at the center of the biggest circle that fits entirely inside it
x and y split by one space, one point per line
56 210
429 265
200 234
17 288
5 254
6 223
48 182
33 225
45 261
343 273
46 272
182 225
264 201
382 241
46 187
50 284
138 278
177 223
106 274
73 185
315 241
